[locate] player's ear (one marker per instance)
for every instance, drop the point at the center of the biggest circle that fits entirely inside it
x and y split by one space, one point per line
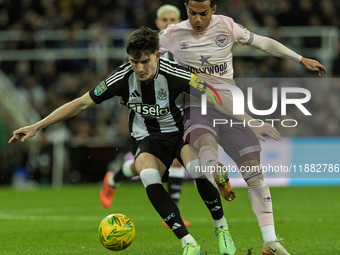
158 55
214 9
157 23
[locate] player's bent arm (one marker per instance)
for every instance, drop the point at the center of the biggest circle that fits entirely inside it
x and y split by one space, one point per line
259 129
64 112
273 47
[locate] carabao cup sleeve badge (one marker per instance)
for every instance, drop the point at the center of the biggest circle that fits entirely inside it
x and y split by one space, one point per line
197 83
101 87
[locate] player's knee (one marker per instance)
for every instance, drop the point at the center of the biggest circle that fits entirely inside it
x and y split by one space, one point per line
207 150
206 140
256 182
150 176
194 168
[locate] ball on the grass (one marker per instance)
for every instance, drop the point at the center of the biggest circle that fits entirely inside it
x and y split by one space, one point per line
116 232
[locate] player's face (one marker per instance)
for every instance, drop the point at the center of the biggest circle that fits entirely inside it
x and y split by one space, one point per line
199 14
146 66
166 19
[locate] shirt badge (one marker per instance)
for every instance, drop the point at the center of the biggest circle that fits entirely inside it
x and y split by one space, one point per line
162 95
221 40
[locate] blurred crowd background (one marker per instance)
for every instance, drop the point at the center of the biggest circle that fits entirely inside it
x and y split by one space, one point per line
48 83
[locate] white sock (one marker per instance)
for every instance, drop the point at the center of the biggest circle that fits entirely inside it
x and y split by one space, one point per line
187 239
193 168
126 168
150 176
268 233
111 182
176 172
221 222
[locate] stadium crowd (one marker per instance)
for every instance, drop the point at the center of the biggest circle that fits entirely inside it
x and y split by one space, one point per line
49 84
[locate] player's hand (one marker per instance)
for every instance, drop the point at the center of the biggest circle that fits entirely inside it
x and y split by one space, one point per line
267 130
313 65
24 133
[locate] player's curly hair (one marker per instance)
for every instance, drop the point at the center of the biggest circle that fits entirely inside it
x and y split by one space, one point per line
212 2
143 40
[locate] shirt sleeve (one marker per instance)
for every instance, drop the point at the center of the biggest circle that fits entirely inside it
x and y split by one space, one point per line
196 87
185 81
273 47
108 88
240 33
165 40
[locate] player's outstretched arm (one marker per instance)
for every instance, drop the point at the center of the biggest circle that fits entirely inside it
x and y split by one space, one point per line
64 112
275 48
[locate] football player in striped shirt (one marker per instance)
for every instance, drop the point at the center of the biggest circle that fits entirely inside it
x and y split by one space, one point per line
166 15
169 14
153 90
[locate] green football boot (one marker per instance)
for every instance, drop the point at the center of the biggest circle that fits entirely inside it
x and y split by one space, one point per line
192 249
225 242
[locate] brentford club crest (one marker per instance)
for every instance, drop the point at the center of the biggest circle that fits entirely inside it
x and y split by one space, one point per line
221 40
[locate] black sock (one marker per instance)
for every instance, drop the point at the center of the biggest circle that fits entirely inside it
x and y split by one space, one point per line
119 176
210 196
166 208
175 188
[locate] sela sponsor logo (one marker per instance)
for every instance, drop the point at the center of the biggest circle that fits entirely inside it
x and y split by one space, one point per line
221 40
147 110
239 102
214 69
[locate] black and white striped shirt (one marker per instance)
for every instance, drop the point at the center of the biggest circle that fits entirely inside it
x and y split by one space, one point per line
155 107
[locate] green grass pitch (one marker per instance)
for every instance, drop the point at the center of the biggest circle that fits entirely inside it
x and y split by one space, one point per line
65 221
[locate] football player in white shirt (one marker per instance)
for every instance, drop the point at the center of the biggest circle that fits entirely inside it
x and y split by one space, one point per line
204 43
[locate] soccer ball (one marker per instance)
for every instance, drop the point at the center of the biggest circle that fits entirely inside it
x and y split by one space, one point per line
116 232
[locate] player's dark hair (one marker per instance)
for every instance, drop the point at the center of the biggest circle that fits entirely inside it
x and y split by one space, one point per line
143 40
212 2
